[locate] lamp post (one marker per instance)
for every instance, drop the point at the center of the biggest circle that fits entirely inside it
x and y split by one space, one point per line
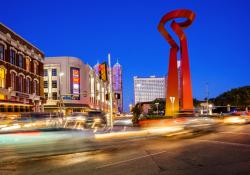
130 107
111 91
157 105
172 99
60 96
207 92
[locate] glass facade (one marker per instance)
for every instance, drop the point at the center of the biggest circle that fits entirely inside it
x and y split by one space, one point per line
149 88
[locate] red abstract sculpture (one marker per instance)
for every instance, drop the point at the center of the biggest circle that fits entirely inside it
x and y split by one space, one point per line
172 94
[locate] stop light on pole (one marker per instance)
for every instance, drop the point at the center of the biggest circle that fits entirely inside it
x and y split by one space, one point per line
103 71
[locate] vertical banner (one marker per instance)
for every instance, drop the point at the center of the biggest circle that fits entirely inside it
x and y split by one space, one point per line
75 83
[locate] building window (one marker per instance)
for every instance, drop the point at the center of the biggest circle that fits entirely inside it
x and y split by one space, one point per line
45 72
27 64
20 60
13 81
1 52
54 72
54 95
36 87
27 85
2 77
46 95
35 67
54 84
21 84
45 84
12 57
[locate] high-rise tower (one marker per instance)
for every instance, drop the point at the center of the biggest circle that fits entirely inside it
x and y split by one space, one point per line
117 85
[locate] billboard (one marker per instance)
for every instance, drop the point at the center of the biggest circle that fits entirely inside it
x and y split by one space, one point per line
103 71
75 83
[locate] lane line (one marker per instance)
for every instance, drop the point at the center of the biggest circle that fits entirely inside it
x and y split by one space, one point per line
225 143
129 160
236 133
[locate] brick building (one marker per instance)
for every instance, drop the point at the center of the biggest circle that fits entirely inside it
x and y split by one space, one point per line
21 74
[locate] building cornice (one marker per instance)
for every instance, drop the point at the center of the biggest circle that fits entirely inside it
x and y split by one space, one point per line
15 45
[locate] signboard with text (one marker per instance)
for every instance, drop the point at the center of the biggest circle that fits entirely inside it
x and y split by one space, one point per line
75 83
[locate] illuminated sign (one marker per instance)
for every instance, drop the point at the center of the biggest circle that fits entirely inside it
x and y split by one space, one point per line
75 83
103 71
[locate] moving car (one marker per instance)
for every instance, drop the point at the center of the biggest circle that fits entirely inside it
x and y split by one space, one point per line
237 118
91 119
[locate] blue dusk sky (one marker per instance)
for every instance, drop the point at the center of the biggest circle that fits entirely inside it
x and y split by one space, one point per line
218 40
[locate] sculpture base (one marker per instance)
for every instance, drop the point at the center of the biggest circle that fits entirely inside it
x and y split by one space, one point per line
185 113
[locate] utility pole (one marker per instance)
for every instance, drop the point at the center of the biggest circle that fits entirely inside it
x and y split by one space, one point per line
207 93
111 91
60 95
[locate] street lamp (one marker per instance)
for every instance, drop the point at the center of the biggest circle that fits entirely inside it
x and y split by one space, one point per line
210 106
157 104
60 96
130 107
172 99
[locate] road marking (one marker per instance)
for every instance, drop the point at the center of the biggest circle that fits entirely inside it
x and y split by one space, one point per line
225 143
129 160
236 133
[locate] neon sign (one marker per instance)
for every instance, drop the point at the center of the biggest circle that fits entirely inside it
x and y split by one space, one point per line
75 83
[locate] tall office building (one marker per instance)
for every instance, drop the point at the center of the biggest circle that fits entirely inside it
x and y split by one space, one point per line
149 88
117 85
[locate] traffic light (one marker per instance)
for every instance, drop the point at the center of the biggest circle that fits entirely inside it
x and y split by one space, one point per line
103 71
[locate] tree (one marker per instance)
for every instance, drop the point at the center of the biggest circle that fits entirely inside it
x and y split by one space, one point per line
161 105
196 102
136 110
239 97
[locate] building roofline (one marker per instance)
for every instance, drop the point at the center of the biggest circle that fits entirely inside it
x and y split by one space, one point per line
22 38
137 77
64 57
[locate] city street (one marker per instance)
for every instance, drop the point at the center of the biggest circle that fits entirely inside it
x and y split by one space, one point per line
226 151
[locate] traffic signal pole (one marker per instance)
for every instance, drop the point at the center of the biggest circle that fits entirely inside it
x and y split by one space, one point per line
111 92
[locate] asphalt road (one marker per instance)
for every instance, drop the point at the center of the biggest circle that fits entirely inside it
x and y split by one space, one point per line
226 151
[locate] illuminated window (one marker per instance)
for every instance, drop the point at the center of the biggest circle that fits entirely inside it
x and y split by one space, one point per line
2 77
12 57
13 81
1 52
27 64
20 60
